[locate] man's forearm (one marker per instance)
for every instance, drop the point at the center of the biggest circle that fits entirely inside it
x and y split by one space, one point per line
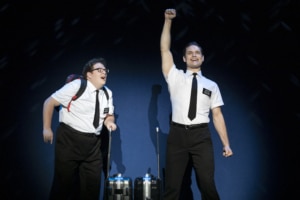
165 41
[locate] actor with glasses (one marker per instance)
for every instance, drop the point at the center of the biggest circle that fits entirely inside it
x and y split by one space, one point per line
77 145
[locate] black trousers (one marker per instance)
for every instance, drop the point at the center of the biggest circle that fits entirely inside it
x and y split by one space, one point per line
77 157
104 150
195 144
186 192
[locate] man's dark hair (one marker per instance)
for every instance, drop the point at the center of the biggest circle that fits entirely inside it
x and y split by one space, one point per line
192 43
89 65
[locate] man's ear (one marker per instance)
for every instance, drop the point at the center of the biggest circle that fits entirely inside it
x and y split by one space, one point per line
183 58
88 75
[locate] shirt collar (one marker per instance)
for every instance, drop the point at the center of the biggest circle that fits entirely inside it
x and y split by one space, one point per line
189 73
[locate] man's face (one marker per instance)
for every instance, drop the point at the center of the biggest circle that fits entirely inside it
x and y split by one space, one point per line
98 75
193 57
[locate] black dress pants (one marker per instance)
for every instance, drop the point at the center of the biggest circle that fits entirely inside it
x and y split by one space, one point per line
77 157
186 192
196 144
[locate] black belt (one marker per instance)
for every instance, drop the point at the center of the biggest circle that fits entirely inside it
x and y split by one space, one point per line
192 126
78 132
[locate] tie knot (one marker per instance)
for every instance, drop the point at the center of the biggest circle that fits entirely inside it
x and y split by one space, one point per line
194 74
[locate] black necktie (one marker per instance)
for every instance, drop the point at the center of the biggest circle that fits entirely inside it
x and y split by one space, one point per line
96 117
193 100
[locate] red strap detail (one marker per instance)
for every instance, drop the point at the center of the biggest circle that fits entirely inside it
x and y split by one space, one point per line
69 105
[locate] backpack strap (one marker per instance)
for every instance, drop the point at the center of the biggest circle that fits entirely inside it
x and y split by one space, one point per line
82 88
105 92
83 84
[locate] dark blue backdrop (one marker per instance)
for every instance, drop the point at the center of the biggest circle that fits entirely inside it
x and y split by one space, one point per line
250 51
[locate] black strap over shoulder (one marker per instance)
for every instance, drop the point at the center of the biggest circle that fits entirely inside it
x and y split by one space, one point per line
105 92
83 84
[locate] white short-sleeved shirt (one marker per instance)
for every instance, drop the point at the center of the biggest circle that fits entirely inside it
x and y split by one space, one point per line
179 85
82 110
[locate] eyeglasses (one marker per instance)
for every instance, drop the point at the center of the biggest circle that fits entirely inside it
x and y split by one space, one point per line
102 70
